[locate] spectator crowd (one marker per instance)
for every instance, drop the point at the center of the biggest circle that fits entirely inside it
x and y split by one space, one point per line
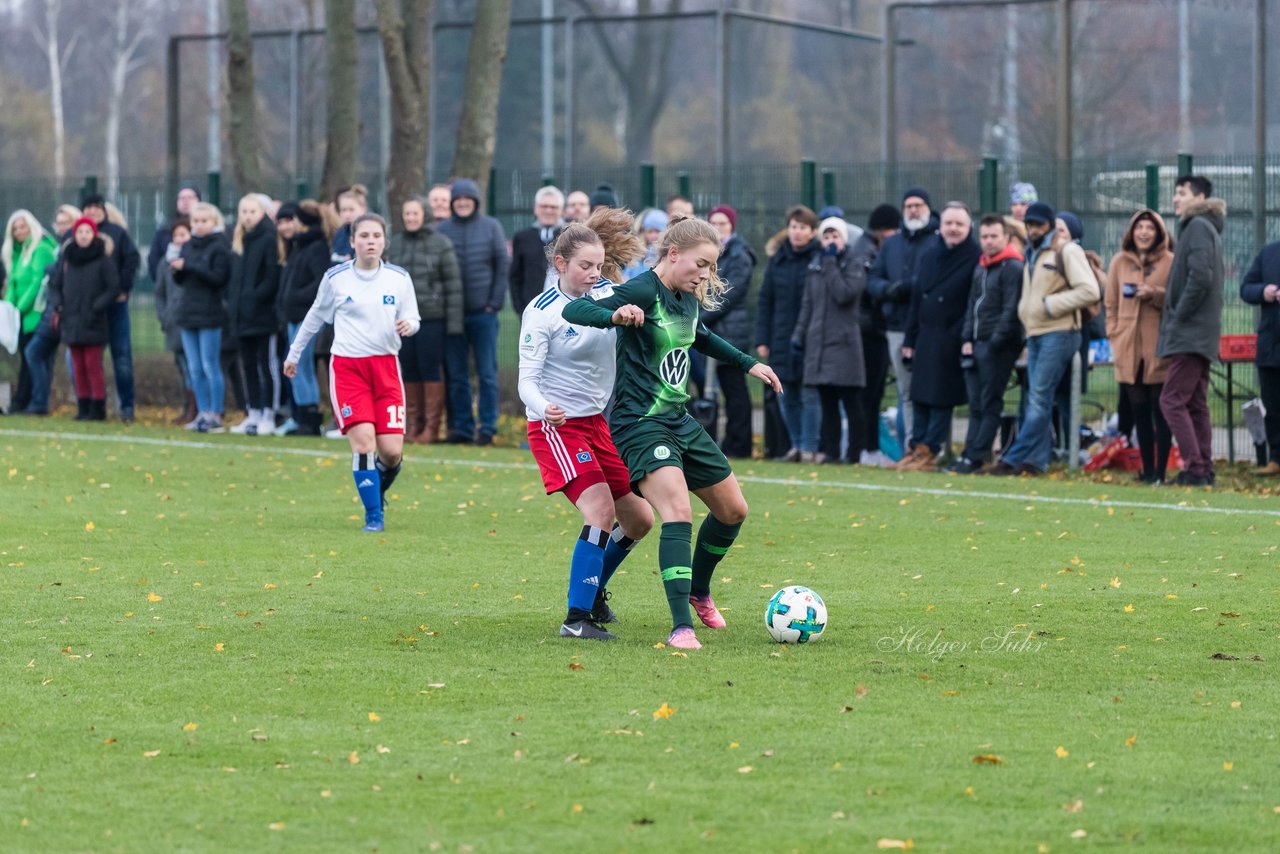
961 310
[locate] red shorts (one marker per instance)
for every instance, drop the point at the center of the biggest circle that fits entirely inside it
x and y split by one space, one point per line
578 454
367 390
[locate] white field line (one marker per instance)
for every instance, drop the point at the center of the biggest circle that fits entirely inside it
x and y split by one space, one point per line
903 489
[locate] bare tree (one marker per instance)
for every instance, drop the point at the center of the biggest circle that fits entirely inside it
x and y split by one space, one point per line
124 61
243 136
58 56
477 127
341 114
405 31
643 70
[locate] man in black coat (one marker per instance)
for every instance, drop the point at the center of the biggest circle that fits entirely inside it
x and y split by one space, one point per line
529 248
883 224
1261 287
891 281
992 336
933 337
120 340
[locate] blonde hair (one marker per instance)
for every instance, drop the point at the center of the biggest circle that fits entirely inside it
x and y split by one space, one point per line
609 228
29 247
358 192
237 236
684 233
210 211
70 210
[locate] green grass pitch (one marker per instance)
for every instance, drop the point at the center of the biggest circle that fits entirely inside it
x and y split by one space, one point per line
202 652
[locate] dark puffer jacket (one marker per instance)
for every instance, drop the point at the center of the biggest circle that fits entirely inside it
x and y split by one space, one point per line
206 268
306 262
729 321
1264 271
827 327
893 275
255 282
84 287
482 253
994 291
429 258
781 292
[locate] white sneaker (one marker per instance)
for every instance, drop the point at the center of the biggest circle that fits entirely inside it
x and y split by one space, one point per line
194 424
875 458
288 428
244 426
333 434
265 422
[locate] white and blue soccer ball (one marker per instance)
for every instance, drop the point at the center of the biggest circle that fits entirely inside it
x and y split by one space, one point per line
795 614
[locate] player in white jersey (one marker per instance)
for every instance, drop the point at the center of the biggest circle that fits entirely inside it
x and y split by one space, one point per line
371 306
566 378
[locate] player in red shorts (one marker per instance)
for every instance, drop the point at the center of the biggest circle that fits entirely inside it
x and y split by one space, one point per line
371 306
566 377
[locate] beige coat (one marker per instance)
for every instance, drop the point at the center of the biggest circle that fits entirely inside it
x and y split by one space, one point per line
1133 323
1052 298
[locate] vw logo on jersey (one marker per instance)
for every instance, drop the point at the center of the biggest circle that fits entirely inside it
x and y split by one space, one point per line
675 368
388 299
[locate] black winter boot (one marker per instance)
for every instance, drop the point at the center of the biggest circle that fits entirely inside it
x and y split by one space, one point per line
82 409
97 410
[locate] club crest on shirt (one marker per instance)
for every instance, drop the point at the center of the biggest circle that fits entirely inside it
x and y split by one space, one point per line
388 299
584 457
346 412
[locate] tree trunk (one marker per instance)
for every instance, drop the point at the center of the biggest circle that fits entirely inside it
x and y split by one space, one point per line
341 116
240 98
477 128
124 49
404 28
56 59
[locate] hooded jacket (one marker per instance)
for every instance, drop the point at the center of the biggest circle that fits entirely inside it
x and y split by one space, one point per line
1057 283
433 265
125 254
306 262
827 326
83 288
992 312
893 275
781 292
481 247
1264 271
206 269
736 264
1133 323
255 282
1192 317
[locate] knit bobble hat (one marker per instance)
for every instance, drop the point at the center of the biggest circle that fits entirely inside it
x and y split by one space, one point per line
730 214
884 216
604 195
1039 212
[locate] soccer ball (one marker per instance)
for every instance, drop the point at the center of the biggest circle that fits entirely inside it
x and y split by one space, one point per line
795 615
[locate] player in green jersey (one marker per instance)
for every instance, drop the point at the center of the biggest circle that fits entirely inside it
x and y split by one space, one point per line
666 451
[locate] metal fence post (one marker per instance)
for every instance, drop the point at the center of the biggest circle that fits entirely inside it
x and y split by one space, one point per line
1186 163
1153 186
215 189
987 176
828 187
90 188
491 193
303 190
684 185
648 186
809 184
548 180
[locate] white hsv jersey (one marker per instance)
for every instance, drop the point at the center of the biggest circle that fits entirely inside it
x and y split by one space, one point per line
562 363
363 308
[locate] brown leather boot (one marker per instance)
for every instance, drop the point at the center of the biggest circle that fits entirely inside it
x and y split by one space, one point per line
1271 469
909 459
189 409
433 410
413 413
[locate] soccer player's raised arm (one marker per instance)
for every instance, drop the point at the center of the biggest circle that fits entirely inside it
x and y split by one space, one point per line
625 306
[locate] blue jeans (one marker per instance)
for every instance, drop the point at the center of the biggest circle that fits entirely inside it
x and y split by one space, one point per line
306 392
1048 358
121 343
40 353
802 412
480 336
203 348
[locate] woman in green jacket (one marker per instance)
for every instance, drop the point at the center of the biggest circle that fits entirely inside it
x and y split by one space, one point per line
26 252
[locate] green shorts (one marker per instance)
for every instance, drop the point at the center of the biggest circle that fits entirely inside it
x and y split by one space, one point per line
649 444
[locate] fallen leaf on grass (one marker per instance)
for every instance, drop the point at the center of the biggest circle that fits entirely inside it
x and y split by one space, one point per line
219 647
1227 766
151 754
1129 609
1229 614
573 665
1131 741
276 825
374 717
109 741
154 597
190 727
1079 834
259 736
899 844
577 808
1074 806
353 758
664 711
1062 752
988 759
745 769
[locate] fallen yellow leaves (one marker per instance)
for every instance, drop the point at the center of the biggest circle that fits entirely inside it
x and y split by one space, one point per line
1227 766
190 727
573 665
88 526
353 758
151 754
1131 741
899 844
664 711
1062 752
576 809
988 759
1129 609
219 647
374 717
276 825
154 597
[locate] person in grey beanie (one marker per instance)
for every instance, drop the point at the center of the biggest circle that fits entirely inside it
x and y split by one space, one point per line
481 247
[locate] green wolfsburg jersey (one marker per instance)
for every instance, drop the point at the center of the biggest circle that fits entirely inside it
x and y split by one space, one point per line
653 359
